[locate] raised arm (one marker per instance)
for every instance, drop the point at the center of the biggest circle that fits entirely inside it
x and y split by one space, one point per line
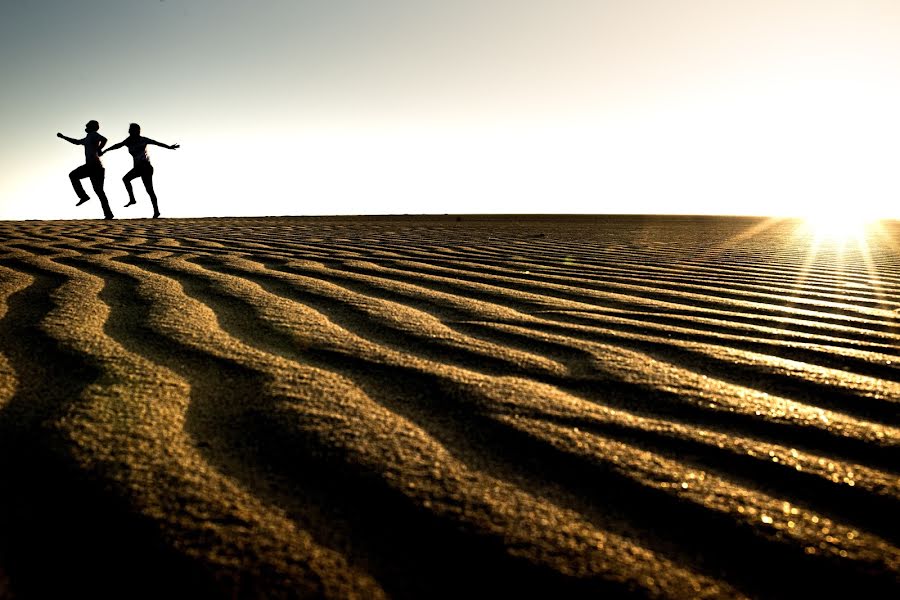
70 140
161 145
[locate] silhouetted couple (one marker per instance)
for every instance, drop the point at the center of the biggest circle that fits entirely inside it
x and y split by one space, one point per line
93 144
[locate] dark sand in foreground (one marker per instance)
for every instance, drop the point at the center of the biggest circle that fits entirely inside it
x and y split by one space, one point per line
443 407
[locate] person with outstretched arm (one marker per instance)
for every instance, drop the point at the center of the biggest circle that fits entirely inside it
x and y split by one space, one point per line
137 147
93 144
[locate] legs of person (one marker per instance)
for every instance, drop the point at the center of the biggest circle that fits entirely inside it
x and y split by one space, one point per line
132 174
75 177
147 178
97 177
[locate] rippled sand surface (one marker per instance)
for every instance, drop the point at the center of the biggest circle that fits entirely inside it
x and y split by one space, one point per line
420 408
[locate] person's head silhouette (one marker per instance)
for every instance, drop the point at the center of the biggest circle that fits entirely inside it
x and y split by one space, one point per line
134 129
92 126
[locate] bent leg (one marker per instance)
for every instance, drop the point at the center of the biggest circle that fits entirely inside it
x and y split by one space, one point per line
132 174
97 178
75 177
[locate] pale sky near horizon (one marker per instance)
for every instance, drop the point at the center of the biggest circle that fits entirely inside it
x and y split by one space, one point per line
316 107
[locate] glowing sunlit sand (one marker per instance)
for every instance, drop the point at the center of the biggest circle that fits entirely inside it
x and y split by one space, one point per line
442 407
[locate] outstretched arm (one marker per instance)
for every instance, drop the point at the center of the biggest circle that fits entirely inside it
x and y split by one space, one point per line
161 145
114 146
68 139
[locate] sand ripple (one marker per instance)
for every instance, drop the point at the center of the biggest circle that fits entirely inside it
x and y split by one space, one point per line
408 407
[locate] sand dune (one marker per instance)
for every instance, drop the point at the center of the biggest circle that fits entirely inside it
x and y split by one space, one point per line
443 407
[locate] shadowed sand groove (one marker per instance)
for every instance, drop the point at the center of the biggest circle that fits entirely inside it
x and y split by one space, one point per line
694 401
97 543
433 407
190 361
433 341
698 530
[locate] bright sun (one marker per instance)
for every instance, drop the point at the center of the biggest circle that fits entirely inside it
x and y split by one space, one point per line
839 226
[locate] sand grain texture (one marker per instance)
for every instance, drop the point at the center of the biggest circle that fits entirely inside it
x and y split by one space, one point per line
442 407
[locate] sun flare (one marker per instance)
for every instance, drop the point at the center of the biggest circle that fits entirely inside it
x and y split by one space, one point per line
838 226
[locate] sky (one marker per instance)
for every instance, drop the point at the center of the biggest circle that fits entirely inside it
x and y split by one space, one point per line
334 107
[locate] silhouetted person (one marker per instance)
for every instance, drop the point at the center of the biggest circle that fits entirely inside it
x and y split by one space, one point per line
93 144
137 146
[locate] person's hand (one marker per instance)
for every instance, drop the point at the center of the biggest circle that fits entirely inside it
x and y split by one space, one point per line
173 146
100 152
59 135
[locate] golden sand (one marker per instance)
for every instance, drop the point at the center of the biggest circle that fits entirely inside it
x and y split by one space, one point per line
447 407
